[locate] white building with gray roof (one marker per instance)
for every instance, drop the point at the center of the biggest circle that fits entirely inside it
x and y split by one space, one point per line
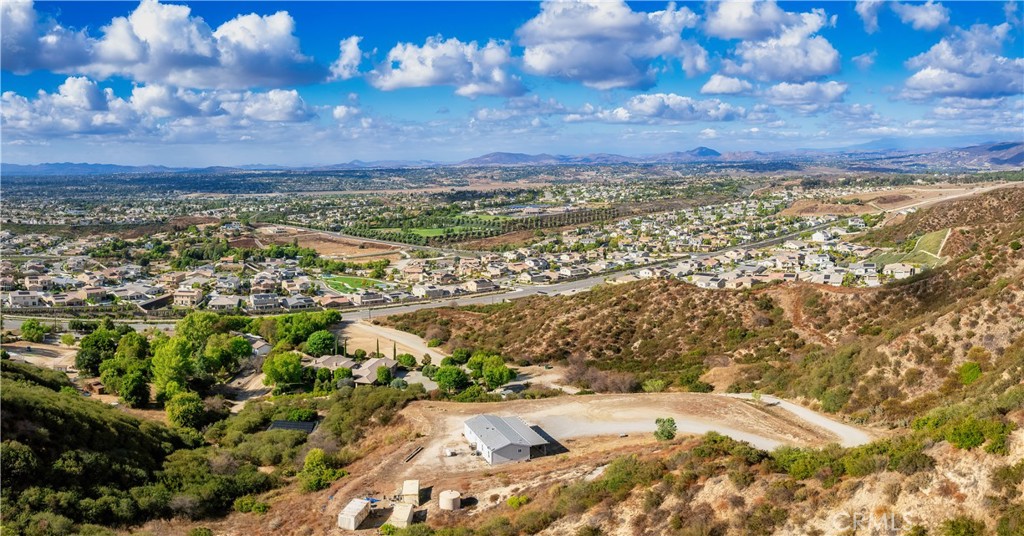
503 439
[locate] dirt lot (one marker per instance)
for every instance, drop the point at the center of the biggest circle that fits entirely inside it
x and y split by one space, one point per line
361 335
884 200
325 244
43 354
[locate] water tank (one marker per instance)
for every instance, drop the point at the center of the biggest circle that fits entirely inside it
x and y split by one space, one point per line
450 500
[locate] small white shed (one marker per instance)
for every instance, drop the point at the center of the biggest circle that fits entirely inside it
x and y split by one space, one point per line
411 492
401 515
353 514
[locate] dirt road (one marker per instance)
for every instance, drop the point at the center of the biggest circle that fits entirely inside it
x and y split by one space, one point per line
849 436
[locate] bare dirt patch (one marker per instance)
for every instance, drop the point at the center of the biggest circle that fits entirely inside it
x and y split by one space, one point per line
325 244
814 207
41 354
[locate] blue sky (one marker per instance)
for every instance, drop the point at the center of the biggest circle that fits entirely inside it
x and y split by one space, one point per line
299 83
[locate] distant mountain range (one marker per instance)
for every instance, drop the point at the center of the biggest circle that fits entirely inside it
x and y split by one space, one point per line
987 155
521 159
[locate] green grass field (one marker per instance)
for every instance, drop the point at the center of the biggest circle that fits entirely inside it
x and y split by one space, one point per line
925 252
345 283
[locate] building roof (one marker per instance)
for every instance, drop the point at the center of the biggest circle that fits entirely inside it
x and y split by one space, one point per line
302 426
354 507
411 487
496 432
402 512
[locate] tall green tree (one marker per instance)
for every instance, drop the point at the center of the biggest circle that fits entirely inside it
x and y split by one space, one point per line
666 429
320 343
95 348
282 369
451 378
134 389
33 331
496 373
132 346
185 410
384 376
223 352
196 328
172 363
318 471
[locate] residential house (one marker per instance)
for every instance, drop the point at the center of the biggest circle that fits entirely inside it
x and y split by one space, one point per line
64 300
24 298
429 292
188 297
263 302
95 294
527 277
573 271
537 263
368 298
367 372
297 302
333 302
480 285
224 302
899 270
333 362
863 268
708 281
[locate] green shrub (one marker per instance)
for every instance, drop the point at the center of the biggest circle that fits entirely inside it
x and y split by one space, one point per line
244 504
517 501
966 434
200 531
1012 521
666 429
318 471
963 526
654 386
969 372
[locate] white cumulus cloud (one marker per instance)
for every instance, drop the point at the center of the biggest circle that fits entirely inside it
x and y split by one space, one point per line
725 85
163 44
866 60
927 16
806 98
607 45
968 63
868 11
80 108
657 108
473 70
349 57
796 54
743 19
